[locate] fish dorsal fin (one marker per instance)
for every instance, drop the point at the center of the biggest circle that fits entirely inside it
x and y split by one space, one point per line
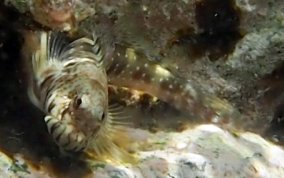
56 45
84 48
55 48
48 54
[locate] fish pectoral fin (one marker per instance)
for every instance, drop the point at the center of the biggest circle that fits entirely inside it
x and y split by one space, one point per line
105 148
113 142
117 116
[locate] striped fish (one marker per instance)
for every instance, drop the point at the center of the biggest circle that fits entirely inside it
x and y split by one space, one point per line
70 86
69 83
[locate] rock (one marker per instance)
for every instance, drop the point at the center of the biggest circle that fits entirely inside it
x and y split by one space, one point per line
202 151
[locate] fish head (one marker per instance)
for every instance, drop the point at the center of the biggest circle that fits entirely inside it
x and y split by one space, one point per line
85 113
89 108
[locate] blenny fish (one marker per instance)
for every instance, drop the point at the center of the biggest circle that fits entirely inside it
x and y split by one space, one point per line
132 69
69 84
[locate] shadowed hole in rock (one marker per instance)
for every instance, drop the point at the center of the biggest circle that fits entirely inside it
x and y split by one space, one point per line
218 32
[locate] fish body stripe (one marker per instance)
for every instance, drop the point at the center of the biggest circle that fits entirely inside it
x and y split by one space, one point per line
62 71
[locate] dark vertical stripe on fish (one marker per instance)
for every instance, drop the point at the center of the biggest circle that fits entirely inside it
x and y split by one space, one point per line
54 127
46 82
48 93
65 111
50 107
48 120
57 138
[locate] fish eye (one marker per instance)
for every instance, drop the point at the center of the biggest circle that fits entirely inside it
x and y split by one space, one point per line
78 102
103 117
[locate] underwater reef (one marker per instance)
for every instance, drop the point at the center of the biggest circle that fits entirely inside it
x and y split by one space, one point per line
231 49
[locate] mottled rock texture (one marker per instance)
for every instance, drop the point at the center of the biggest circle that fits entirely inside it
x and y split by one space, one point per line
231 48
205 151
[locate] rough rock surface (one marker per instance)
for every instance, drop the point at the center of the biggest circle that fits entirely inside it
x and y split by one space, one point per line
204 151
232 48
